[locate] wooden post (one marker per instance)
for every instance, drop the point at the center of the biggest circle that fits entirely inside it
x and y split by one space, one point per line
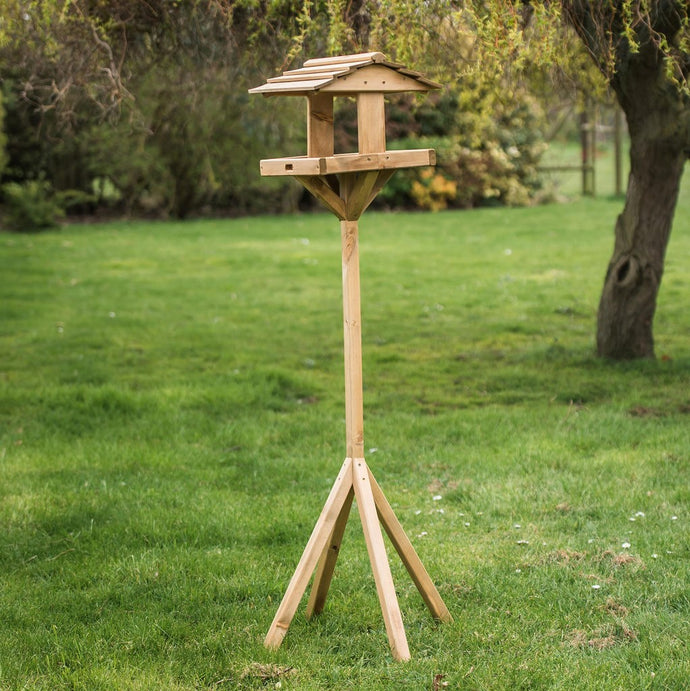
327 560
371 122
320 124
379 561
354 423
588 143
352 325
584 147
408 556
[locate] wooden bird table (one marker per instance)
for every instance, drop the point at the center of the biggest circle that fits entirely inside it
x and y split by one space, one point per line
346 184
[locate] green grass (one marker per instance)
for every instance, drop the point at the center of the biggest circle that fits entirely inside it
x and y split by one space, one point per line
171 421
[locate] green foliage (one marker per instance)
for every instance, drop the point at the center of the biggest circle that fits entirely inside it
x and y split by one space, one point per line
180 137
432 191
490 158
152 96
34 205
3 138
192 149
171 421
31 206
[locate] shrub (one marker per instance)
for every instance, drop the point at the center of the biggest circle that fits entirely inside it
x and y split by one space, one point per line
488 145
433 191
31 206
491 162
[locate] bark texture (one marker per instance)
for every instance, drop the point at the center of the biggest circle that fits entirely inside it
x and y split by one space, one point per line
658 116
628 300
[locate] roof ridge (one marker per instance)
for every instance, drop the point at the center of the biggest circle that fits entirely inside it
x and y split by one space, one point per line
374 56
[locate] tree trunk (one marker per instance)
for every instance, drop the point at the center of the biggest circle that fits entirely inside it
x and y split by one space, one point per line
628 300
659 125
658 114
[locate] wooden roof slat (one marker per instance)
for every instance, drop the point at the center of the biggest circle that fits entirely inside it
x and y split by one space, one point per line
302 87
410 73
421 78
358 57
333 69
301 77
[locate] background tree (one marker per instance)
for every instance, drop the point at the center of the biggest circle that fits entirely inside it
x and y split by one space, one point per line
144 104
642 49
170 79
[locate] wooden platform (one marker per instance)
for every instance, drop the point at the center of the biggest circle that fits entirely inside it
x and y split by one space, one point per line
341 163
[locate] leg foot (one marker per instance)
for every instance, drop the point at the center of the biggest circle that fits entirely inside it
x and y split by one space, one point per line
327 560
409 557
379 561
319 537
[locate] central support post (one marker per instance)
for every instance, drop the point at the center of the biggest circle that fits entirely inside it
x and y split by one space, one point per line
355 480
352 333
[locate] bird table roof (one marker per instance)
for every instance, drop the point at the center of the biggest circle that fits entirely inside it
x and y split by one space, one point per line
346 74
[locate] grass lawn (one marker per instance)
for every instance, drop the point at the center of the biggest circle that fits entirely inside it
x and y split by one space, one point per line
171 421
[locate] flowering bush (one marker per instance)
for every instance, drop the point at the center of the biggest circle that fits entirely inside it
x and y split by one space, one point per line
432 190
488 156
